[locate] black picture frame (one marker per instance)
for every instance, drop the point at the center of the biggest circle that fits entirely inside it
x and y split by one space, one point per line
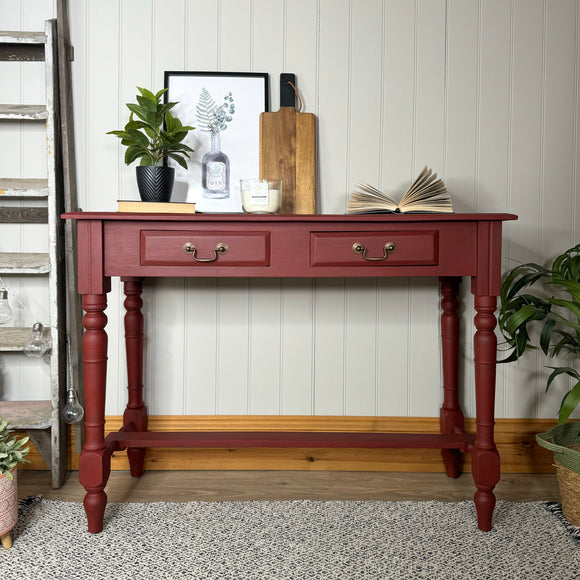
226 103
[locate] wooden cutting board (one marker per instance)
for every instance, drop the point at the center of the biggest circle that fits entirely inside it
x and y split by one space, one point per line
288 150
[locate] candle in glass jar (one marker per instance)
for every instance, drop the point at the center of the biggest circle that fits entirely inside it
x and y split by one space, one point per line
261 195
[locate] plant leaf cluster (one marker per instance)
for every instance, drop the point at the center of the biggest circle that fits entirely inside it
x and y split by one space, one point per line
522 304
12 450
214 118
152 132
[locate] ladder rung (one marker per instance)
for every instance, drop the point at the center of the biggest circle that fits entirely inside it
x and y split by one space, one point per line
23 215
23 187
23 112
24 263
20 37
13 338
27 414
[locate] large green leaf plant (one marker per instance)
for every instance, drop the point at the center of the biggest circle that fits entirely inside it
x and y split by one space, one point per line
533 295
12 449
152 132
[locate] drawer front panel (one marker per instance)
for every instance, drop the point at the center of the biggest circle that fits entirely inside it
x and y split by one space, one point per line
181 248
374 249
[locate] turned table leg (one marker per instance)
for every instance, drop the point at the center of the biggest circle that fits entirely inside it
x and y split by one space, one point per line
451 416
135 415
485 458
95 459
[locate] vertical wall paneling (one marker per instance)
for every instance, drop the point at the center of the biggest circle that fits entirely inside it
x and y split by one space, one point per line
365 92
301 49
364 139
398 95
558 196
361 347
301 24
200 358
135 70
392 347
264 347
168 23
329 347
202 36
165 314
268 43
233 346
297 387
525 172
333 104
236 29
428 149
485 92
168 296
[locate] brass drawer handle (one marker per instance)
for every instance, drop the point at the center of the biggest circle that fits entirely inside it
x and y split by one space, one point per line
191 250
390 248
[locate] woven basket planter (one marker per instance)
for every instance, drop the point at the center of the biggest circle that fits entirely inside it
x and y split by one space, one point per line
564 441
8 506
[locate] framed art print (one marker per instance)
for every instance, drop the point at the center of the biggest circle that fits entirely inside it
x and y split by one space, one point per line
225 110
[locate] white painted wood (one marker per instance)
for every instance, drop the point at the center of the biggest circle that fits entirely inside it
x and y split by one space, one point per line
233 347
333 104
264 347
525 176
361 347
329 347
485 92
201 346
297 364
559 188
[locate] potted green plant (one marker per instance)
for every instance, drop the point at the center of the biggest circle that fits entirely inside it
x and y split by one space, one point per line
12 452
151 135
549 297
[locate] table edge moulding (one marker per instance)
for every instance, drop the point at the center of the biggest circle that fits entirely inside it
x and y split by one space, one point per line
135 246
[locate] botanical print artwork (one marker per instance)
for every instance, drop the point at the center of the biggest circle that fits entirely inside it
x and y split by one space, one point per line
215 164
225 110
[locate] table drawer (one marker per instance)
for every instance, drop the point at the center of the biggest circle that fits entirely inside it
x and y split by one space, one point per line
179 248
378 249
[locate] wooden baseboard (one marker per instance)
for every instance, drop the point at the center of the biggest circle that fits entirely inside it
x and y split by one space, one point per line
515 439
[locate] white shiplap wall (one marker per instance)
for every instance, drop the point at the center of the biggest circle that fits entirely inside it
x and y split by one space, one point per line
484 91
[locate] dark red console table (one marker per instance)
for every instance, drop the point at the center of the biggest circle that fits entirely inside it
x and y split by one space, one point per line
136 246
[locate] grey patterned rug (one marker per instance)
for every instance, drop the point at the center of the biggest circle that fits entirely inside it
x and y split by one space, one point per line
282 540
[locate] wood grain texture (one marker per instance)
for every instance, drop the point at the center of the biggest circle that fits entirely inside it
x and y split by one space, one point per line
182 486
288 152
515 440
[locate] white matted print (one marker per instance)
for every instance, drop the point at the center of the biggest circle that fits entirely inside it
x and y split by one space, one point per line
225 110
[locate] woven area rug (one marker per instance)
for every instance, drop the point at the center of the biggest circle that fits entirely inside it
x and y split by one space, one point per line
280 540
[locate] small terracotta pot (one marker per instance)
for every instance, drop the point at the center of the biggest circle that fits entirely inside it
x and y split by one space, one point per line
8 506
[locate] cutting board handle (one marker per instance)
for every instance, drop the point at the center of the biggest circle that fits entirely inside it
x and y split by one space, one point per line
287 91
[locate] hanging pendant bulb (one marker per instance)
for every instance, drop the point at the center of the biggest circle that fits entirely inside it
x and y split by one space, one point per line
5 310
36 345
73 411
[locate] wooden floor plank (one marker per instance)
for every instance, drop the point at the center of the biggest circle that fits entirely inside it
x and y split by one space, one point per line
288 485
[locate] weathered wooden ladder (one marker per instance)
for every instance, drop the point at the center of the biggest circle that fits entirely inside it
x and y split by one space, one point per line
33 201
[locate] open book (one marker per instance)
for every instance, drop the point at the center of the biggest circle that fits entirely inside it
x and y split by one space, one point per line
427 193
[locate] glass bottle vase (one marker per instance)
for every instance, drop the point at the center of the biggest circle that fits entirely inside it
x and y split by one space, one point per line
215 171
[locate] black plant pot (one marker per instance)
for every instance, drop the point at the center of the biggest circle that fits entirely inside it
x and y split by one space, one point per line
155 182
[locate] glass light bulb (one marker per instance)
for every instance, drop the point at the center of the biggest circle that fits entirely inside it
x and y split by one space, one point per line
5 310
36 345
73 411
